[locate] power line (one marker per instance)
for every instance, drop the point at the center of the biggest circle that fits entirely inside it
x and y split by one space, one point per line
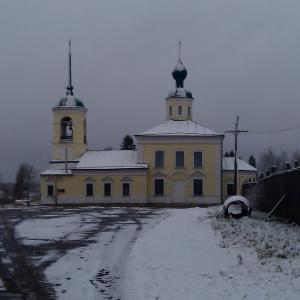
283 129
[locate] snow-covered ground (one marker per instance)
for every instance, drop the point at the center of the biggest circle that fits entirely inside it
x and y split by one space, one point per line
181 254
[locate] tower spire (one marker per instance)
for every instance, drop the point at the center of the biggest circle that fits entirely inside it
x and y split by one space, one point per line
70 87
179 48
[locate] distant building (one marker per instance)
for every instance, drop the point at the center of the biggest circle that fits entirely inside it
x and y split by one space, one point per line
178 161
246 174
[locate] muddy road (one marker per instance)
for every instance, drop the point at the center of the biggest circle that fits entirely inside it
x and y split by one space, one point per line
23 260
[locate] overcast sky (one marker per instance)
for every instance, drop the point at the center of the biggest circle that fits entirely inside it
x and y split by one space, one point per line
242 57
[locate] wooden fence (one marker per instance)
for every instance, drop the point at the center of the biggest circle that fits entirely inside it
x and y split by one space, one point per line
274 187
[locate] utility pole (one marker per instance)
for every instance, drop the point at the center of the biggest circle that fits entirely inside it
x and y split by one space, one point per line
236 131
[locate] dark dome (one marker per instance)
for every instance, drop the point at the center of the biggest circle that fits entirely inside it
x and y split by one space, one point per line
70 101
179 73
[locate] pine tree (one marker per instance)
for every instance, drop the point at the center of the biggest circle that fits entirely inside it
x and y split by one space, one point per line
252 161
127 143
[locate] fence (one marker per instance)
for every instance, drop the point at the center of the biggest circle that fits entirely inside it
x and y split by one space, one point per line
274 187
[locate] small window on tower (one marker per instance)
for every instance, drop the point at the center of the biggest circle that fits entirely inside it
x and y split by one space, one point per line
170 111
66 129
189 111
180 110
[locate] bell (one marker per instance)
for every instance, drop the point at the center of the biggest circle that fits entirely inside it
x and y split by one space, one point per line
70 126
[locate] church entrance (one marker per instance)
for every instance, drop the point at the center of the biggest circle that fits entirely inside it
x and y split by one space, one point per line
178 191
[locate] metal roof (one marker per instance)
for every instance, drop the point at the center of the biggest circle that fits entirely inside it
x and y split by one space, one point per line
228 165
179 128
111 159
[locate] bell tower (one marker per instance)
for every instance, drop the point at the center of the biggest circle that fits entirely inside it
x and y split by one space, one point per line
179 103
69 126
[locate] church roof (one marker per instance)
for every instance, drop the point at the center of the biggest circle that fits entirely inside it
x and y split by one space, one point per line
70 101
179 128
228 165
111 159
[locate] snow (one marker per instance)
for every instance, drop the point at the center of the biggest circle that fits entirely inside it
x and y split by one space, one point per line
56 172
228 165
112 159
179 67
179 128
234 199
191 253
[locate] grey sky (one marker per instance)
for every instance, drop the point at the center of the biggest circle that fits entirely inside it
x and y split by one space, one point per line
242 58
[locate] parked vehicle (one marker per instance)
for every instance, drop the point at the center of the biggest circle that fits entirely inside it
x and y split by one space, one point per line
22 202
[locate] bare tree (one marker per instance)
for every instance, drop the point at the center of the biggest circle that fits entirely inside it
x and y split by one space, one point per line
267 160
25 178
295 155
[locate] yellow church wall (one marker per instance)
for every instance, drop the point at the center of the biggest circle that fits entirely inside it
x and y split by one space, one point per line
74 187
208 172
175 103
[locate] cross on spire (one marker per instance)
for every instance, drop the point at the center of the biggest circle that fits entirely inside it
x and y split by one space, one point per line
179 49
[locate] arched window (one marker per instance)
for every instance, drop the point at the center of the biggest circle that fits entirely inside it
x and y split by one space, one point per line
66 129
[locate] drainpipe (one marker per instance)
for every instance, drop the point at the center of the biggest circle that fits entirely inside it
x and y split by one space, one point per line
66 160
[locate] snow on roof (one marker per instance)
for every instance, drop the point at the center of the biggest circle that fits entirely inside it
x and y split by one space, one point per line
56 172
112 159
228 165
179 128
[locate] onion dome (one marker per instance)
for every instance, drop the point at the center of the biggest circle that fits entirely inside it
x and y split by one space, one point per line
179 74
69 101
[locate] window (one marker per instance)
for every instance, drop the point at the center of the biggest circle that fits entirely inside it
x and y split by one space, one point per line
107 189
170 110
159 158
179 158
126 189
180 110
89 189
198 187
197 159
230 189
189 111
159 187
50 190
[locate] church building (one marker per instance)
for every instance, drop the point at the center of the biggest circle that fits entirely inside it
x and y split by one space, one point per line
176 162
